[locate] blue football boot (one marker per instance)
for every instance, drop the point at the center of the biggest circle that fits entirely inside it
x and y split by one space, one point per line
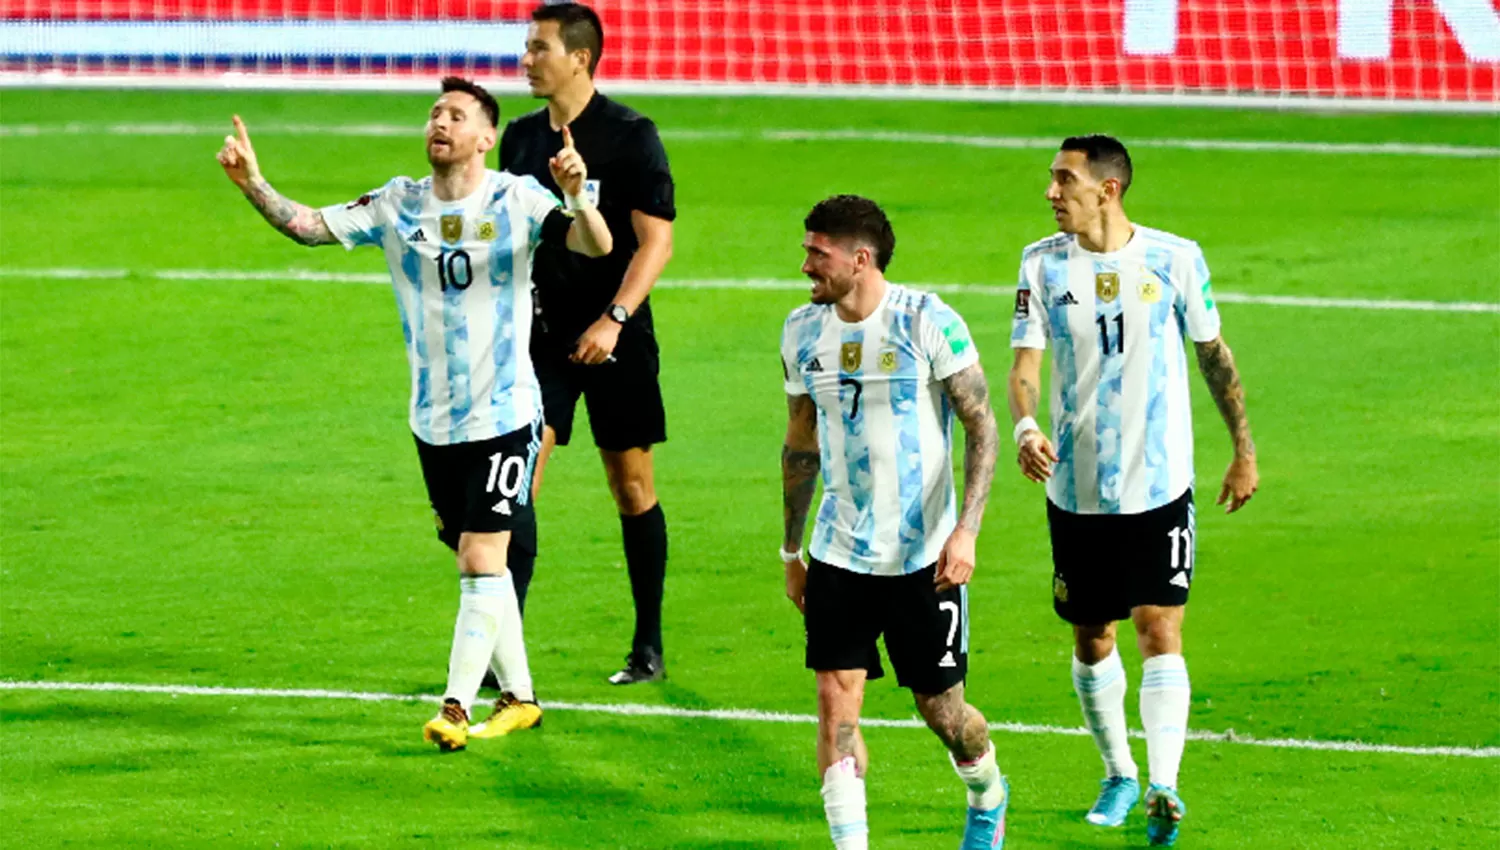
985 830
1117 796
1164 810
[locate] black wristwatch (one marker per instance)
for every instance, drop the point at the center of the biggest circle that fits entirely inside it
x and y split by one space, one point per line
618 313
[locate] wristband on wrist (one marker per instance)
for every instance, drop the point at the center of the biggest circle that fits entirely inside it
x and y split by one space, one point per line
576 203
1026 424
791 557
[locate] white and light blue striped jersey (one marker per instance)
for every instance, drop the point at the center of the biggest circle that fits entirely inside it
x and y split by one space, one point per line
1122 424
885 427
462 275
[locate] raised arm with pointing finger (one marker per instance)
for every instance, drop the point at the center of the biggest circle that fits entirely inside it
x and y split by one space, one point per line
300 223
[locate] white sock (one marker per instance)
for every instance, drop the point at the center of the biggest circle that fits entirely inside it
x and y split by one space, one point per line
844 803
1165 695
479 613
1101 692
509 659
986 791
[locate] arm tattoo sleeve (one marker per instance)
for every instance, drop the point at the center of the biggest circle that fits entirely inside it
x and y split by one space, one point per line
298 222
799 472
970 395
1216 362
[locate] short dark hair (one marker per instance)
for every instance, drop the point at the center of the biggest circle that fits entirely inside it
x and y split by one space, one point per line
579 27
1106 155
857 217
486 100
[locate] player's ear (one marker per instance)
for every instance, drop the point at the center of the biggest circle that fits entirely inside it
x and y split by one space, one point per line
487 140
1111 187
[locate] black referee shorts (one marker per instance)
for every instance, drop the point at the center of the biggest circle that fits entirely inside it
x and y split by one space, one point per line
623 397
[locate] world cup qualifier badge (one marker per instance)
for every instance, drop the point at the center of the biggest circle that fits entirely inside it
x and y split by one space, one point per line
1149 291
486 230
1023 303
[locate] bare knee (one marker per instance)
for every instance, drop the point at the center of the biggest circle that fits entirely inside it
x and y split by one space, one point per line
1092 644
957 724
482 554
631 481
1159 631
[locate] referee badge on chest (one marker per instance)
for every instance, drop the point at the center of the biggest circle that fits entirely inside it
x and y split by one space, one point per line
452 227
1107 286
851 355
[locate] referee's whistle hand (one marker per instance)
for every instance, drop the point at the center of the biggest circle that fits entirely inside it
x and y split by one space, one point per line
597 345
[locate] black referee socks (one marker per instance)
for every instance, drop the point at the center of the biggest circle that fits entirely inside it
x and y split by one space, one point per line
646 560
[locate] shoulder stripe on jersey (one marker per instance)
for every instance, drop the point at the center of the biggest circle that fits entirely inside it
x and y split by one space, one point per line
1051 243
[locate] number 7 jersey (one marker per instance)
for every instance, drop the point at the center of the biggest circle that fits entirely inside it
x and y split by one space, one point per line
462 276
884 427
1122 421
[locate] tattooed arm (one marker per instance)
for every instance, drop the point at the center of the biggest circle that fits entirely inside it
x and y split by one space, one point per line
298 222
800 465
969 394
1216 362
1034 452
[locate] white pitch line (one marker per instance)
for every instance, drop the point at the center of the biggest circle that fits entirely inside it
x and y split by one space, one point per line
688 134
751 284
731 714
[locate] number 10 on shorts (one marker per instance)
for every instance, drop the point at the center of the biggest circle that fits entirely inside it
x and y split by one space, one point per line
506 474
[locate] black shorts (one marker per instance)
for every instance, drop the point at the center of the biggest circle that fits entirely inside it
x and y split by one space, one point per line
484 486
623 396
926 632
1106 564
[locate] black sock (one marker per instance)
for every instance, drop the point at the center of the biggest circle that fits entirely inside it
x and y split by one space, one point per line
520 559
646 560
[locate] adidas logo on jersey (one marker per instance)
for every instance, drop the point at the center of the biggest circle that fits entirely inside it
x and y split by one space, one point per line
417 236
1064 300
814 366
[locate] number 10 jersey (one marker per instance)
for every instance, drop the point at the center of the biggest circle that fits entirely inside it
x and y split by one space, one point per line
884 427
462 276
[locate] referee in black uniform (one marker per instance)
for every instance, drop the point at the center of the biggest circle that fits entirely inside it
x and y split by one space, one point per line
593 335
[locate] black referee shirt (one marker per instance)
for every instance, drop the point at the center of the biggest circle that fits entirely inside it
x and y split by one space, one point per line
623 152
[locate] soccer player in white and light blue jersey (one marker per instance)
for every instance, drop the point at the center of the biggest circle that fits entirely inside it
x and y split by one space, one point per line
1114 301
459 244
875 373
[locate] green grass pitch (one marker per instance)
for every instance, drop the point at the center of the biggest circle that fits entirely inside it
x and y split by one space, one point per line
211 483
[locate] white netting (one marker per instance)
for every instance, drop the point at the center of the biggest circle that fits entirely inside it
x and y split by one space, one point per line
1391 52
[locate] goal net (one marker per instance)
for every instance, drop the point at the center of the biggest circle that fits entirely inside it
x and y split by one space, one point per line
1361 53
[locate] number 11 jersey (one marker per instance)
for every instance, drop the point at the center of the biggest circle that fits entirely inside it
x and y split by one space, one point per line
462 276
884 427
1122 423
